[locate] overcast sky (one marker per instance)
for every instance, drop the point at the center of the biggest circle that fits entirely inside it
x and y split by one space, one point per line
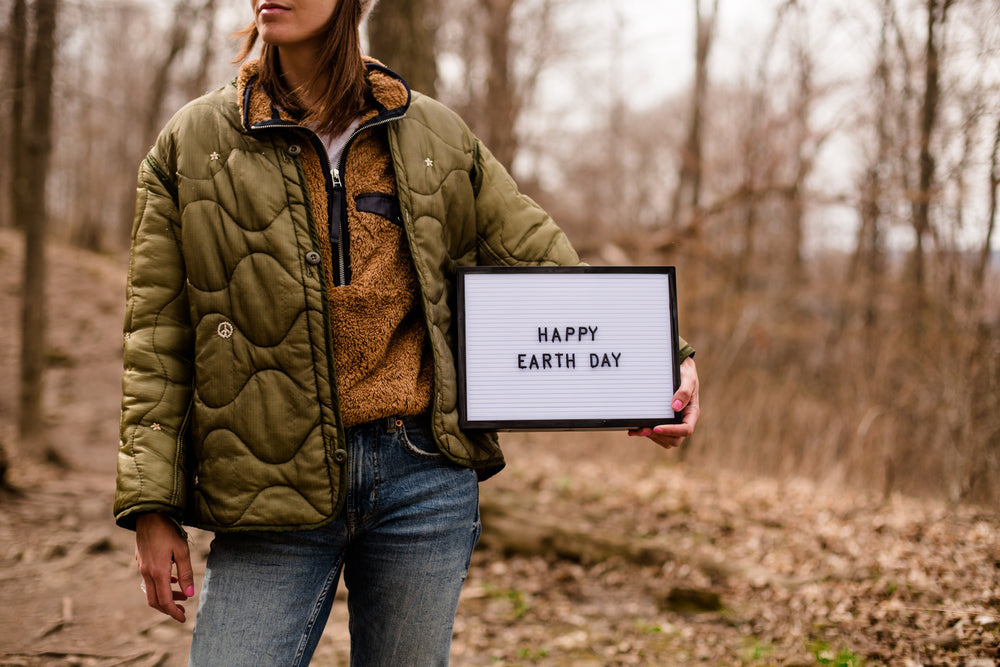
661 32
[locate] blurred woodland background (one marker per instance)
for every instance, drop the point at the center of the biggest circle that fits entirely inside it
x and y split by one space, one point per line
830 203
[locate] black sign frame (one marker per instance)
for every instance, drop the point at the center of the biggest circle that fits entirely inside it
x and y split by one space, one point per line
604 422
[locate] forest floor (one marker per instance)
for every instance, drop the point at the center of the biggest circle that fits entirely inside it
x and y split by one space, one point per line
754 572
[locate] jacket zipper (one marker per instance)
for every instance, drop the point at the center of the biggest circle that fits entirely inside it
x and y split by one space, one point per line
338 201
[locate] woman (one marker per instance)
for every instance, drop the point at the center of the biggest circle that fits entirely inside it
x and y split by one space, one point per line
289 376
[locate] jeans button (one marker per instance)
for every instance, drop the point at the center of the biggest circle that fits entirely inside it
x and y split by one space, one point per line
340 456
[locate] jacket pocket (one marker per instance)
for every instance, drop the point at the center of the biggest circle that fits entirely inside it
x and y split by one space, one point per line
381 204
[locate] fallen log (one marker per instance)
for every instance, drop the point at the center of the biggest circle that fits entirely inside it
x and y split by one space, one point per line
514 530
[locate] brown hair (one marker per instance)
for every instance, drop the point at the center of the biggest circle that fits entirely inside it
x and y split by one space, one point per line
339 76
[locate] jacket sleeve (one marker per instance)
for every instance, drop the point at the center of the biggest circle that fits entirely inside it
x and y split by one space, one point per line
158 357
514 230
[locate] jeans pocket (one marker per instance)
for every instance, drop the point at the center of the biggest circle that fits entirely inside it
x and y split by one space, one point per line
417 440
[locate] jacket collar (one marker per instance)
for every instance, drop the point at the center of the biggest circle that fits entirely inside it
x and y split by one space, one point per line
390 97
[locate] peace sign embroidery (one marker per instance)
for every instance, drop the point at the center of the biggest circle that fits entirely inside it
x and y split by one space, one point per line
225 330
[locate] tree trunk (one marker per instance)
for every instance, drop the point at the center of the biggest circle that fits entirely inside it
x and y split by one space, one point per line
803 168
500 105
199 84
753 152
18 31
31 209
185 17
867 259
991 220
4 465
403 35
512 530
687 196
937 11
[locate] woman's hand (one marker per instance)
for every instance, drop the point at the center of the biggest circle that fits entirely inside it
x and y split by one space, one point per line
686 404
159 546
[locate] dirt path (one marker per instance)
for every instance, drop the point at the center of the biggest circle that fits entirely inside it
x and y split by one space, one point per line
801 578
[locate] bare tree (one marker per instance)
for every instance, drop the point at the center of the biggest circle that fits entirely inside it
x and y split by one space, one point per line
937 13
501 103
991 218
30 208
4 465
187 13
403 35
503 46
199 82
867 259
688 193
806 144
18 30
755 170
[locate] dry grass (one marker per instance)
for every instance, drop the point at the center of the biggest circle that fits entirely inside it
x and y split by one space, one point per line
796 381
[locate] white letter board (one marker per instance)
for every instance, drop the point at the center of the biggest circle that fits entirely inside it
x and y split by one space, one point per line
566 347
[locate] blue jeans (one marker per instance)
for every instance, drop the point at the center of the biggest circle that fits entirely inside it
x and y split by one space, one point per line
404 542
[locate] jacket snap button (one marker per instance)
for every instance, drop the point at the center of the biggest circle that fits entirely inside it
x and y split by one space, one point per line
312 257
340 456
294 149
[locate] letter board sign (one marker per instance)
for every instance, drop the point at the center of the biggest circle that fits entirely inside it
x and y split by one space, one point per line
566 347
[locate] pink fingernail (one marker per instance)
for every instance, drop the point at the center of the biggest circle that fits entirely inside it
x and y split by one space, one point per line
189 591
678 405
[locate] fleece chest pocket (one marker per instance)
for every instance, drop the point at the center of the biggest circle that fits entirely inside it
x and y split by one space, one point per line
381 204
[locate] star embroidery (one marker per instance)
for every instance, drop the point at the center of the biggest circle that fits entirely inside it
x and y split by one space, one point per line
214 156
429 162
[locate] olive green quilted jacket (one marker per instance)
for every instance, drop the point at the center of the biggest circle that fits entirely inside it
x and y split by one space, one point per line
230 418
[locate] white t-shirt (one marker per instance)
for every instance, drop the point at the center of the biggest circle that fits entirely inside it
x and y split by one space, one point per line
335 144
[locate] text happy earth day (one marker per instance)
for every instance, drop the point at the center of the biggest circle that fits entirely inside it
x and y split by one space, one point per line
578 334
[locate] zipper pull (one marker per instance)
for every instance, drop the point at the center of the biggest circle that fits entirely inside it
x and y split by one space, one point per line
336 207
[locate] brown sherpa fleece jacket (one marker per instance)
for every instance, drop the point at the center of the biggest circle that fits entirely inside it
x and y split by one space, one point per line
383 362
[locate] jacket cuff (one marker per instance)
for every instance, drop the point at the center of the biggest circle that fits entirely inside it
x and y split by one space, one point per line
127 518
685 350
